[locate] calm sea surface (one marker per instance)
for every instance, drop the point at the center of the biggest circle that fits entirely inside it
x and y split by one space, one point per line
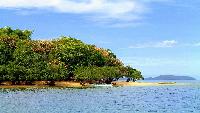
181 98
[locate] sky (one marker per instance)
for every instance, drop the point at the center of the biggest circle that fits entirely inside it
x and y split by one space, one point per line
158 37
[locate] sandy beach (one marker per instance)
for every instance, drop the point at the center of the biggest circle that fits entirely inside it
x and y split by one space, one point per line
43 84
69 84
142 83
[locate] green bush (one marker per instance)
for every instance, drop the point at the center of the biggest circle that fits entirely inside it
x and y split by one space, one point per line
106 73
97 73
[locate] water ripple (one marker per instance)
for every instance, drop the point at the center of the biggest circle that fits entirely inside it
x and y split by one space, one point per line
162 99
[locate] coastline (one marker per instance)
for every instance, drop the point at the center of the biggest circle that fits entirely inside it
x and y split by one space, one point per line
70 84
46 84
142 83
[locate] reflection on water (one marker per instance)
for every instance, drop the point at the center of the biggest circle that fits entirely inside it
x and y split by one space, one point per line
152 99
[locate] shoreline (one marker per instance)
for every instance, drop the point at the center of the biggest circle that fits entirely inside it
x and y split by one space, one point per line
70 84
142 83
46 84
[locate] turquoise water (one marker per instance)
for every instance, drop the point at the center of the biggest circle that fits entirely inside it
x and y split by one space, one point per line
148 99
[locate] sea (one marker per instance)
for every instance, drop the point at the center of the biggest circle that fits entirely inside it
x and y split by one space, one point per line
184 97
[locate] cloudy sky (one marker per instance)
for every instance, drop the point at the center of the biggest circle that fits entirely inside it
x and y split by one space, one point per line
156 36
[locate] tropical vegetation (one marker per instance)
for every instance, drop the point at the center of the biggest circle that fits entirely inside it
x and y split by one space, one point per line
65 58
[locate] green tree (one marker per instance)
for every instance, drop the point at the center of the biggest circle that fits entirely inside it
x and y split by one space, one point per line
105 74
133 74
19 34
66 58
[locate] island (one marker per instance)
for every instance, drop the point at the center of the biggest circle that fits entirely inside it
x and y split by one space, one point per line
64 61
170 77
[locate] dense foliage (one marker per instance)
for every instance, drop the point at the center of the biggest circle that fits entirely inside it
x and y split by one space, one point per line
106 74
66 58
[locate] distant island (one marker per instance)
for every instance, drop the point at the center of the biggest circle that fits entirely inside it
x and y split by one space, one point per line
170 77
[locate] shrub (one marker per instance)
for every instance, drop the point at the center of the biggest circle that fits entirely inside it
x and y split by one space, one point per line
97 73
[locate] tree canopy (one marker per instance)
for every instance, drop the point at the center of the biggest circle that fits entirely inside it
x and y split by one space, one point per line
65 58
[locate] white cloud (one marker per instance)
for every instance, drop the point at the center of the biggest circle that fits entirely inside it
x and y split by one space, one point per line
197 44
121 12
162 44
191 44
125 10
166 43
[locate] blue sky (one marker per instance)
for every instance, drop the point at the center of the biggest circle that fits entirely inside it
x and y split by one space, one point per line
156 36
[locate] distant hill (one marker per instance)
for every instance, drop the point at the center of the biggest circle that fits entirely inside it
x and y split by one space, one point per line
170 77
